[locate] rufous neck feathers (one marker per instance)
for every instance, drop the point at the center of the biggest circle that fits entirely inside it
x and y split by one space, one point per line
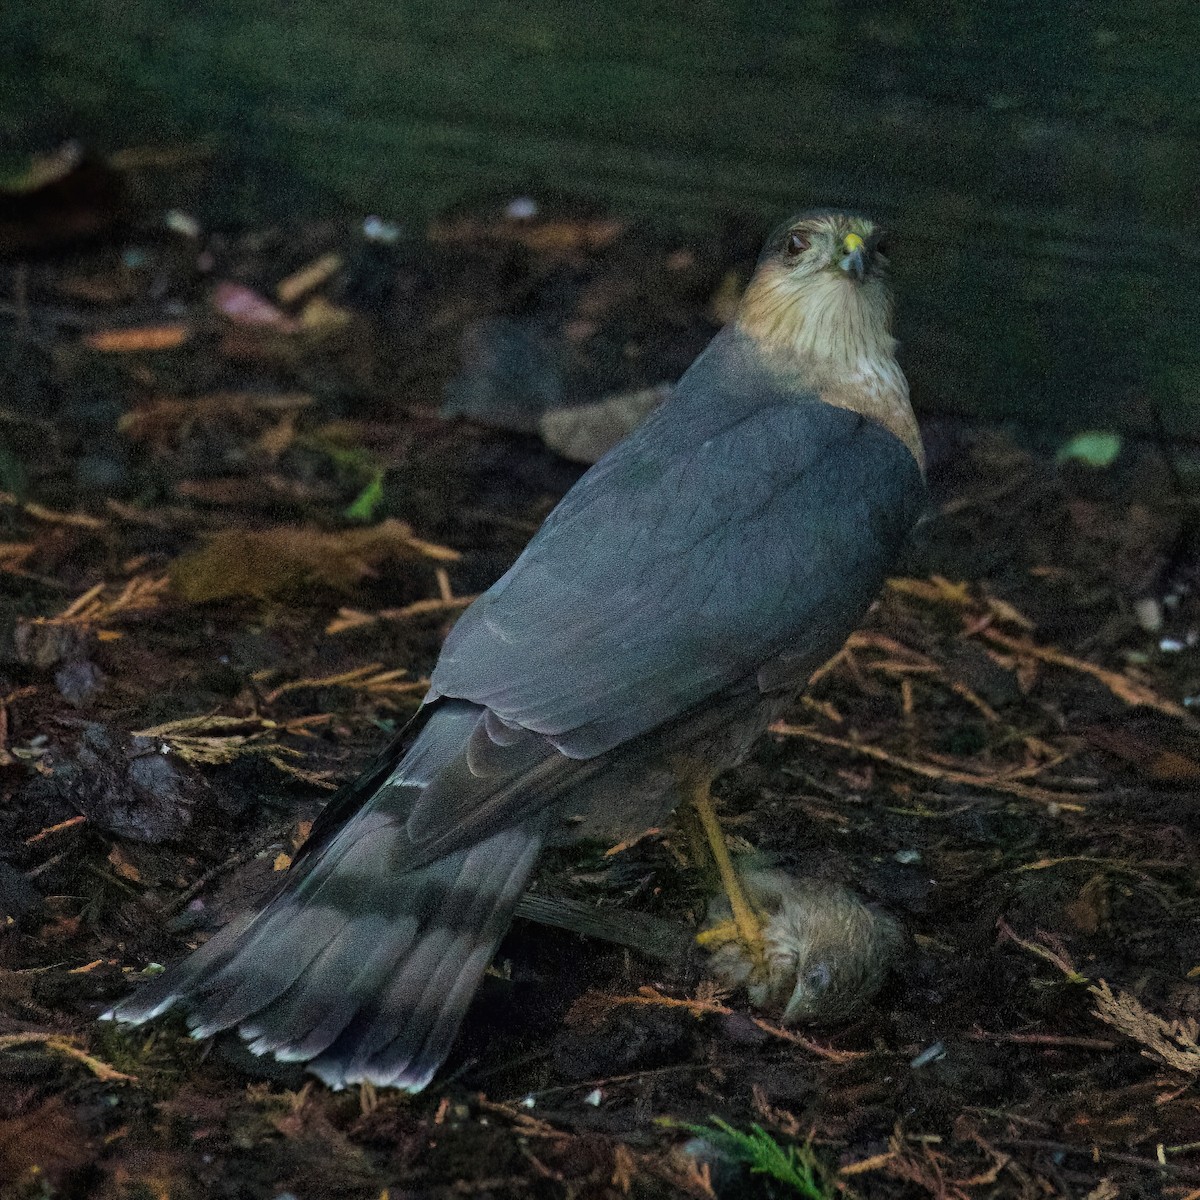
831 335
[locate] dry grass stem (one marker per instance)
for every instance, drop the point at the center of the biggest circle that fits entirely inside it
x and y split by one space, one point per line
352 618
61 1044
1066 801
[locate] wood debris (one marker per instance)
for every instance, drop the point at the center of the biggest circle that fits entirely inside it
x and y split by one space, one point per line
62 1044
271 562
1173 1043
1063 801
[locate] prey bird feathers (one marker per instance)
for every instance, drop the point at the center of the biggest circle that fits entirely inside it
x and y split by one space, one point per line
671 606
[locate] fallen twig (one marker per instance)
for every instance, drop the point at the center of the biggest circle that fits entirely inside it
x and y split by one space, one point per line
352 618
62 1044
1121 686
50 830
234 860
1051 1040
372 679
1049 949
989 783
213 738
52 516
982 615
139 594
703 1005
1097 1155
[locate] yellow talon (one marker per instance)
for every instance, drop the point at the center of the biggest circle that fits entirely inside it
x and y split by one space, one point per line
718 935
746 922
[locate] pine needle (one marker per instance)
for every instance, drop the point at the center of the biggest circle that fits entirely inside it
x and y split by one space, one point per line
1065 801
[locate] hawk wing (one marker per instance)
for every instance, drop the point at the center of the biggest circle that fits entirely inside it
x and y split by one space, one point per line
740 522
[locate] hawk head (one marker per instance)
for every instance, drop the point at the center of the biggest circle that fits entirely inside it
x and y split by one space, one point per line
820 291
819 310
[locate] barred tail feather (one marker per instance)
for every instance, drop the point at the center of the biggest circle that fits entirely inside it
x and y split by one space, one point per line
403 1037
364 964
374 992
154 998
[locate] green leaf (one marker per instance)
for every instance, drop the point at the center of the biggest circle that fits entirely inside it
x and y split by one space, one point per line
367 501
1096 448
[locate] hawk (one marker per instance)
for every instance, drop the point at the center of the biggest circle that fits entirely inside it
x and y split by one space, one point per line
668 610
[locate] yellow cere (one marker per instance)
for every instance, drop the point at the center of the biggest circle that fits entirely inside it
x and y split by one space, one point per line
851 243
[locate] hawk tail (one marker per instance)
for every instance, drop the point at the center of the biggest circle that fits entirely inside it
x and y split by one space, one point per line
361 972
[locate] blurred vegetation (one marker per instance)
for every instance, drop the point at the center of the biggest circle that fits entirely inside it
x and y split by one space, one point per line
1038 163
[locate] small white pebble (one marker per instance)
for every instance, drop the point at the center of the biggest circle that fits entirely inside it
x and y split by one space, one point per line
182 223
522 208
593 1098
529 1102
1171 645
1149 614
908 857
376 229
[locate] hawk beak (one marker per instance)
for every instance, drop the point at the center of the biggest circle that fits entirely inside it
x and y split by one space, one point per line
854 261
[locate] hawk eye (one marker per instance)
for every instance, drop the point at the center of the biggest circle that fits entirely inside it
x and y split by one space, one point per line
796 243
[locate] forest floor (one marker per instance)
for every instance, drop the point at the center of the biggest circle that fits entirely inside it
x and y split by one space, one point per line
236 528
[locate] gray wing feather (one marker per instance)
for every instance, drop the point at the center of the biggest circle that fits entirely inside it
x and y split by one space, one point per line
698 550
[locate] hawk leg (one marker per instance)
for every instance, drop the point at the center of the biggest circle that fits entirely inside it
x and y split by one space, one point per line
746 925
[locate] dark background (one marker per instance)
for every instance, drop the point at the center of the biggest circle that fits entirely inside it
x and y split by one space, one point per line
1038 162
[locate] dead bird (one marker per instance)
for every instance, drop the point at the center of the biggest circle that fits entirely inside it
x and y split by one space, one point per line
828 952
